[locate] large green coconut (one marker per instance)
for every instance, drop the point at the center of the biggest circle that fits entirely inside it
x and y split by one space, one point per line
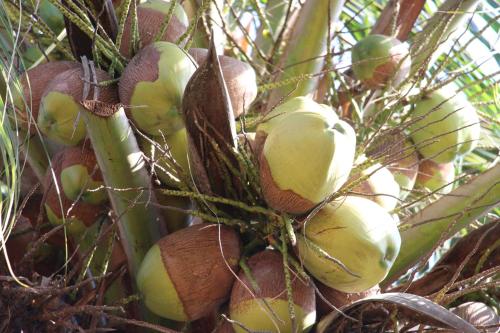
152 86
150 17
377 59
189 273
305 157
444 126
60 116
248 306
358 233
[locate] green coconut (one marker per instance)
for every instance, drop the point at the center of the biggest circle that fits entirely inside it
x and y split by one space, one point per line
76 215
240 79
380 186
444 126
161 153
150 17
377 59
357 232
251 309
436 177
59 116
50 15
152 86
80 176
305 158
27 96
189 273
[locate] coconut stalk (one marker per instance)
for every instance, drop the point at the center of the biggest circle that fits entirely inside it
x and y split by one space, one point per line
305 49
398 17
440 220
441 27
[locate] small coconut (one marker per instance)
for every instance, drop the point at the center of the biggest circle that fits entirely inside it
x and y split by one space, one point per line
377 59
60 209
189 273
168 157
339 299
380 186
239 76
358 233
305 158
400 156
444 125
80 176
152 86
150 17
58 117
266 309
478 314
33 83
436 177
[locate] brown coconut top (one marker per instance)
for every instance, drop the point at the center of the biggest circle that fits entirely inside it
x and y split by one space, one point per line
339 298
239 77
34 82
282 200
85 212
149 23
142 67
202 276
70 82
267 270
83 155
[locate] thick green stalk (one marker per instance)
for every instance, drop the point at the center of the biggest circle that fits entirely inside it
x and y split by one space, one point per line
443 25
127 182
306 47
445 217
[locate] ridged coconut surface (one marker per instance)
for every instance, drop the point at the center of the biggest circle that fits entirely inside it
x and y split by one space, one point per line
248 308
33 83
305 158
59 107
377 58
152 86
357 232
444 126
150 17
240 79
189 273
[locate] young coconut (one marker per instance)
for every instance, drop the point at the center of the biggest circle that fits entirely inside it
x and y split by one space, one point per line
60 209
80 176
305 158
276 115
377 59
240 79
444 126
152 85
189 273
436 177
58 117
358 233
33 83
266 309
338 299
380 186
150 17
400 156
168 157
